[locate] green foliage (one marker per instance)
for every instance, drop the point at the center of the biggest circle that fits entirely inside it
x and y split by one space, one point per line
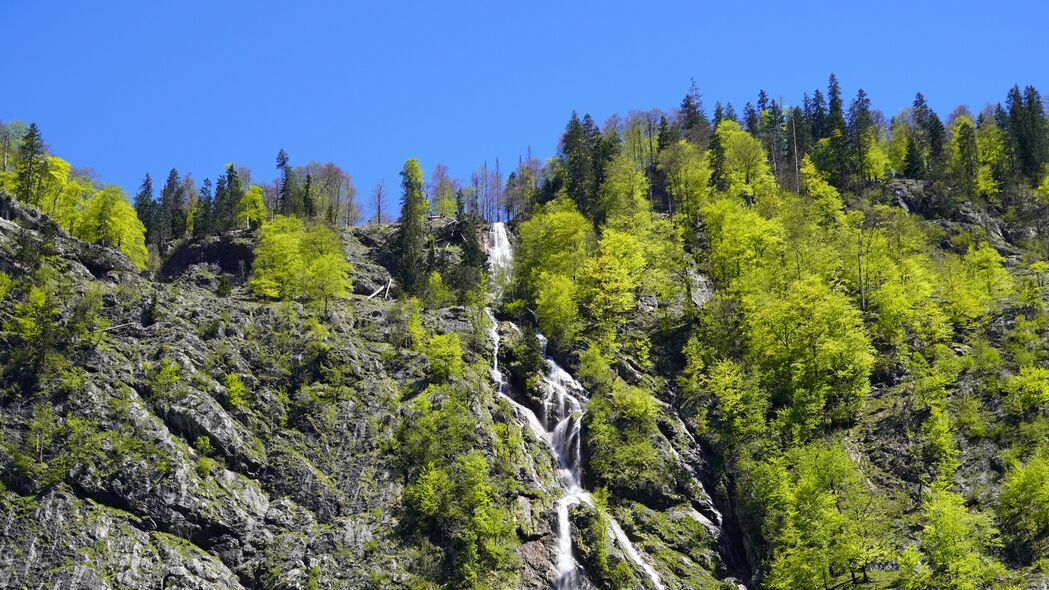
251 209
446 356
1023 509
163 380
556 309
1027 390
436 293
813 345
941 450
235 391
555 240
822 516
278 267
610 278
746 168
408 315
411 233
622 429
110 219
954 546
450 494
292 262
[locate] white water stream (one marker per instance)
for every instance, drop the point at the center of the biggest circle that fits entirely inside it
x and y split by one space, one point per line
563 402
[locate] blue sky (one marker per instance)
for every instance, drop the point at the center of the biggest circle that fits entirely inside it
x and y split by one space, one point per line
130 87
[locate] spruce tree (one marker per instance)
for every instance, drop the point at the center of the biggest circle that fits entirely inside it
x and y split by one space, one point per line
667 136
32 166
838 162
914 163
694 124
145 207
410 242
203 225
170 201
577 159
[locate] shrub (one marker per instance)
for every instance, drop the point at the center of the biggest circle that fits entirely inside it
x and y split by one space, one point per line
446 357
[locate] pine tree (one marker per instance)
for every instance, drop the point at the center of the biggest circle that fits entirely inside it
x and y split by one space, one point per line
411 234
578 162
837 163
716 153
667 136
309 208
751 122
32 166
914 163
694 124
860 133
145 207
205 211
167 221
818 115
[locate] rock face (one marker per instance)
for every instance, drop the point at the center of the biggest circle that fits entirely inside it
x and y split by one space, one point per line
136 467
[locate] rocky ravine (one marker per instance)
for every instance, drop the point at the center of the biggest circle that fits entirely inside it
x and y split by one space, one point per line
147 482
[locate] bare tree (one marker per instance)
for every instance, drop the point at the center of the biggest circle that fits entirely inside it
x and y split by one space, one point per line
378 194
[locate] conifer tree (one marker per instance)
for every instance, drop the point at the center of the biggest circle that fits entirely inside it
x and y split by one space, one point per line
170 218
411 234
694 124
145 207
31 166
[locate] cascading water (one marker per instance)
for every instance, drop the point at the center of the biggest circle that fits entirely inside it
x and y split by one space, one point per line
563 402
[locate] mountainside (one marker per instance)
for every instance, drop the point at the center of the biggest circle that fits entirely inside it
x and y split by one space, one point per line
793 350
134 466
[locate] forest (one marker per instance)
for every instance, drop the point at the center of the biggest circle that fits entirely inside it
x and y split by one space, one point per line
800 347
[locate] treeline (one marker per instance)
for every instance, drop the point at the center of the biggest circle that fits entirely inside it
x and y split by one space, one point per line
315 191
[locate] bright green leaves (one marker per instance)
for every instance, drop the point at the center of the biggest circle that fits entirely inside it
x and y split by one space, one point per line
556 309
555 241
446 356
292 262
279 266
110 219
813 345
687 171
611 277
1023 508
746 166
622 425
251 210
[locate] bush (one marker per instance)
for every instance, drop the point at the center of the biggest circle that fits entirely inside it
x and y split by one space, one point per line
446 357
235 390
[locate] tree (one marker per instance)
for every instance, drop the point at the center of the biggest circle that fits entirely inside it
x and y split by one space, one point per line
290 196
815 348
745 172
964 157
411 234
279 267
31 166
955 541
1023 508
110 219
694 124
556 309
328 277
610 278
171 214
145 207
442 191
251 208
446 356
687 178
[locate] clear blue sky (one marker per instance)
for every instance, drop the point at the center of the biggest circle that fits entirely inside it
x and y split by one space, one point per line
130 87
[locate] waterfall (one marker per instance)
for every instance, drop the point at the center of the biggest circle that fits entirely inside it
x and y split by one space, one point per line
560 428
